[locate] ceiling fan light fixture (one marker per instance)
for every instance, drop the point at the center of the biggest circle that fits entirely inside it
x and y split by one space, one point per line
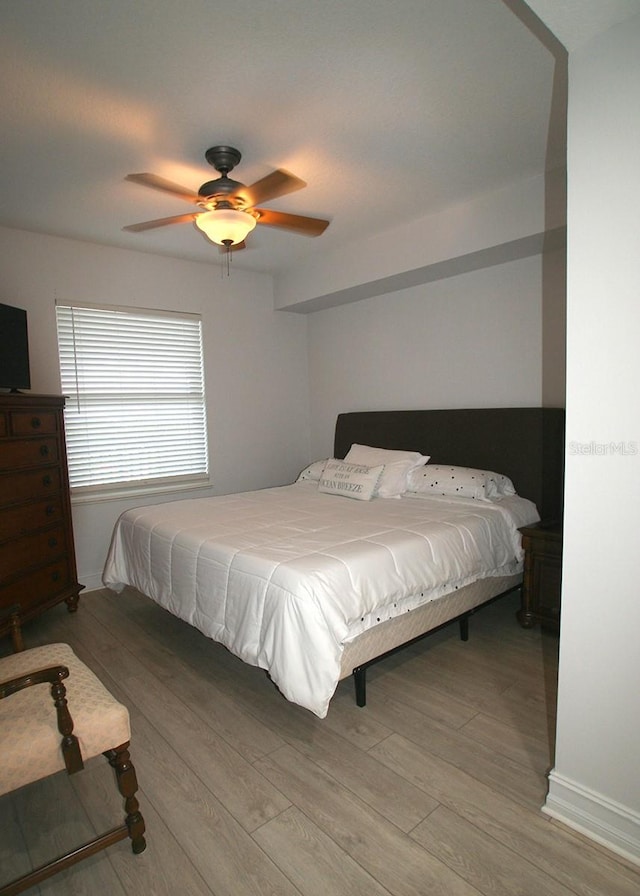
226 226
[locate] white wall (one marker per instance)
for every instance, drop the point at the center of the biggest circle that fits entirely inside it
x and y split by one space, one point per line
595 785
256 371
474 340
554 328
500 225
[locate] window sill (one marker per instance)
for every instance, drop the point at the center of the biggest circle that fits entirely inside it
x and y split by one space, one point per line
120 494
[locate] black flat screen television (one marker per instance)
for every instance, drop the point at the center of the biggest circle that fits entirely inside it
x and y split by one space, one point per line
14 349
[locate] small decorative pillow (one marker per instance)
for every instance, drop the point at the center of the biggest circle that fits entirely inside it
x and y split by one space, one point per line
350 480
313 472
462 482
397 466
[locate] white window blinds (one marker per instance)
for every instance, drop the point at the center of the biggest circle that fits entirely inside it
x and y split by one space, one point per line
135 412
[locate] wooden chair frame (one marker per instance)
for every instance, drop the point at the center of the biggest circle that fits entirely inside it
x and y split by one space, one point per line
119 759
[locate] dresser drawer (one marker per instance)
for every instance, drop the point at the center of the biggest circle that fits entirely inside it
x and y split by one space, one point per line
18 453
19 555
24 518
3 425
38 586
16 487
26 423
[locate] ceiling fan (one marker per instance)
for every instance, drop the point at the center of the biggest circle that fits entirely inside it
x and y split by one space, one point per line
229 209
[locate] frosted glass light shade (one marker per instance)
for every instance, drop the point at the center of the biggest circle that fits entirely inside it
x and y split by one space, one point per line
226 226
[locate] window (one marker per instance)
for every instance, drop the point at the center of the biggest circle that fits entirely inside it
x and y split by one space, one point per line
135 414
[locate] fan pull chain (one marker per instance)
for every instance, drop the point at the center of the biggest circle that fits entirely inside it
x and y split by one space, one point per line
225 268
227 251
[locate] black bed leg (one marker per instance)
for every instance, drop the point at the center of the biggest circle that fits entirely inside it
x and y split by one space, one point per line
360 681
464 627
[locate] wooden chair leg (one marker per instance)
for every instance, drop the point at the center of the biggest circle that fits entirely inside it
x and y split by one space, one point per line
127 780
16 634
133 827
10 624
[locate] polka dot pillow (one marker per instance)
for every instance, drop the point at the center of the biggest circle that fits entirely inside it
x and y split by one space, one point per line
461 482
313 472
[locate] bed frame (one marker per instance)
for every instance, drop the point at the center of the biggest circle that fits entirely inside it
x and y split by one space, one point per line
525 444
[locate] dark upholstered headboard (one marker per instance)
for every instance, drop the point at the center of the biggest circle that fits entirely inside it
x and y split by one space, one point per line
526 444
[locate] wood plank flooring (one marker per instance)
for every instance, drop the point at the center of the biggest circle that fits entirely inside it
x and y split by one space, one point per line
434 788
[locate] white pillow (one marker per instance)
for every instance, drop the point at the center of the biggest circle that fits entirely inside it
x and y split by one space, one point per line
397 466
462 482
498 484
313 472
350 480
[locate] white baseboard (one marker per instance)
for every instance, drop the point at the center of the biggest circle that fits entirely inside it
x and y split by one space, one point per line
91 583
613 825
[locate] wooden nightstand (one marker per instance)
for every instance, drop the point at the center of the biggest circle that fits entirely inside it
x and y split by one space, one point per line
542 543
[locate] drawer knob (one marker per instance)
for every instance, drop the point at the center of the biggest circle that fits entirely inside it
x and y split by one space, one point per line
36 422
46 480
50 510
55 575
44 450
53 542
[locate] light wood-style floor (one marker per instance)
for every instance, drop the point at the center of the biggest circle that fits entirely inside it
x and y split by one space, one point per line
434 788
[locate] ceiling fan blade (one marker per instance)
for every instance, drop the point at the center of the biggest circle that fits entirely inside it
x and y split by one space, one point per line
165 186
297 223
161 222
278 183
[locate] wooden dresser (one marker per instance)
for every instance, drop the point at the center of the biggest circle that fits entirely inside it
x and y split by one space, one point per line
37 557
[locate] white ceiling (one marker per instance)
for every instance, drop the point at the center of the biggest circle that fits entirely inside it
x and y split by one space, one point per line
575 22
389 110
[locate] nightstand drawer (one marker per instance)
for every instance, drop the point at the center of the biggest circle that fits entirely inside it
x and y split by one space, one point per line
547 582
542 583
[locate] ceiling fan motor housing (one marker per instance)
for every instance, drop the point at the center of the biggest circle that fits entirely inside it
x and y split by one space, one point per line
223 158
222 187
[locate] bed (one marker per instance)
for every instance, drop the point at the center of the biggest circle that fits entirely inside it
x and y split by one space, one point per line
312 586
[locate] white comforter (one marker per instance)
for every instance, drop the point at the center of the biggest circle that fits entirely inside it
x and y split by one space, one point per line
283 576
